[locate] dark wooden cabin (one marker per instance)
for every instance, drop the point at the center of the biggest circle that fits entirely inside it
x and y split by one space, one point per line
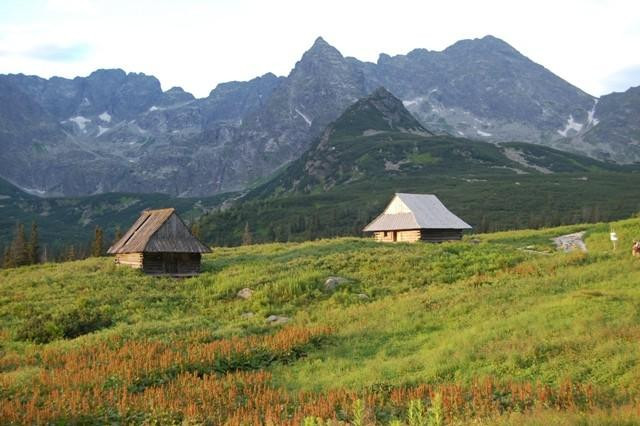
416 217
159 243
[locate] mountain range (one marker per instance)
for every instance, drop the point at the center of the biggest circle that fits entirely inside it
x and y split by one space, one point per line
350 170
377 147
114 131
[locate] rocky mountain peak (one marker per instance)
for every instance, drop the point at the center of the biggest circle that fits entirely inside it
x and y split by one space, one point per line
486 44
320 42
322 50
176 95
107 73
176 89
378 112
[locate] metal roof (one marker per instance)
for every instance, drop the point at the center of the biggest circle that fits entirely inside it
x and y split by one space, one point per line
137 238
417 211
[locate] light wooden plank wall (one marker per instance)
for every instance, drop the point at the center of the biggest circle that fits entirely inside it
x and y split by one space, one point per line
414 235
133 260
379 236
408 236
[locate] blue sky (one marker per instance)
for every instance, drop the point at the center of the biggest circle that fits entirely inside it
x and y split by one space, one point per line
197 44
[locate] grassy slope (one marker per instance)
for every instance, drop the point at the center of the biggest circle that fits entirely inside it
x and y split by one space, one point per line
435 313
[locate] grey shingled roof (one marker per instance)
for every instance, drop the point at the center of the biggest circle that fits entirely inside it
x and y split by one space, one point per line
427 212
137 238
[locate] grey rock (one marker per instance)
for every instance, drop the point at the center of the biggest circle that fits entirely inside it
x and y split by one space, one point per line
571 242
277 319
332 282
363 296
245 293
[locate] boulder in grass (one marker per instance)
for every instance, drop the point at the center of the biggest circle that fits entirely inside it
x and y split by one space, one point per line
277 319
363 296
245 293
332 282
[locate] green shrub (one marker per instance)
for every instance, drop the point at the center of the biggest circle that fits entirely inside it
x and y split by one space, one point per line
83 320
45 327
39 329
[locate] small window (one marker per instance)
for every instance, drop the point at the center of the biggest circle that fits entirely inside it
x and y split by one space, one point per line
385 233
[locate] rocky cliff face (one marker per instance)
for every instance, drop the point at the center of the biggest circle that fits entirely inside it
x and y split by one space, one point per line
613 128
483 89
377 141
113 131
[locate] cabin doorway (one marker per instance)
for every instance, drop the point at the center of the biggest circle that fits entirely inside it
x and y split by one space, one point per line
395 236
170 261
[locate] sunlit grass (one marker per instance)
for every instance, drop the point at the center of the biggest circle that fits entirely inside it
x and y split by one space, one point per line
503 305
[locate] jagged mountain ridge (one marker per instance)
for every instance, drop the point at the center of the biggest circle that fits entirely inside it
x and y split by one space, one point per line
113 131
377 148
483 89
378 139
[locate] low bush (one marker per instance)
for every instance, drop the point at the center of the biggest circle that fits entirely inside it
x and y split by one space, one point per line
45 327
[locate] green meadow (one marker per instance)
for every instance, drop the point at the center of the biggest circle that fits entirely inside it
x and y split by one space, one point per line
505 307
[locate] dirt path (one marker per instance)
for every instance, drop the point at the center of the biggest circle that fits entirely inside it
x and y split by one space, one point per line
570 242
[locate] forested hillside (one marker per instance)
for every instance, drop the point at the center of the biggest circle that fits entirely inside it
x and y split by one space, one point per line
377 148
68 224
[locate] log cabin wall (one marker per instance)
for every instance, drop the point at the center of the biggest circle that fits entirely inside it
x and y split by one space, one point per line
440 235
176 264
410 236
407 236
133 260
414 235
386 236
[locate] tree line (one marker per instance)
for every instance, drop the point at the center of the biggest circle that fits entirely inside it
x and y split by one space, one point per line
246 226
25 250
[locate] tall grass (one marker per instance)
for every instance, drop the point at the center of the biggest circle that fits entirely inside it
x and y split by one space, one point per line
501 326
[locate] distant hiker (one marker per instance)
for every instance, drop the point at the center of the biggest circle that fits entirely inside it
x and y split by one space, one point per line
635 249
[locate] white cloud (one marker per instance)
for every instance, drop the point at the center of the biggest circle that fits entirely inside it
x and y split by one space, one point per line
197 44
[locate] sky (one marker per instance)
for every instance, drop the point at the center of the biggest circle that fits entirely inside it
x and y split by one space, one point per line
196 44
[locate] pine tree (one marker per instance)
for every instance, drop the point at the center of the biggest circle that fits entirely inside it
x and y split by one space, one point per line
271 234
96 245
19 251
195 230
118 235
313 226
247 239
6 258
34 245
71 253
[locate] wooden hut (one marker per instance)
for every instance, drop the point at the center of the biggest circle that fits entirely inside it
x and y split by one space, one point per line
416 217
160 243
